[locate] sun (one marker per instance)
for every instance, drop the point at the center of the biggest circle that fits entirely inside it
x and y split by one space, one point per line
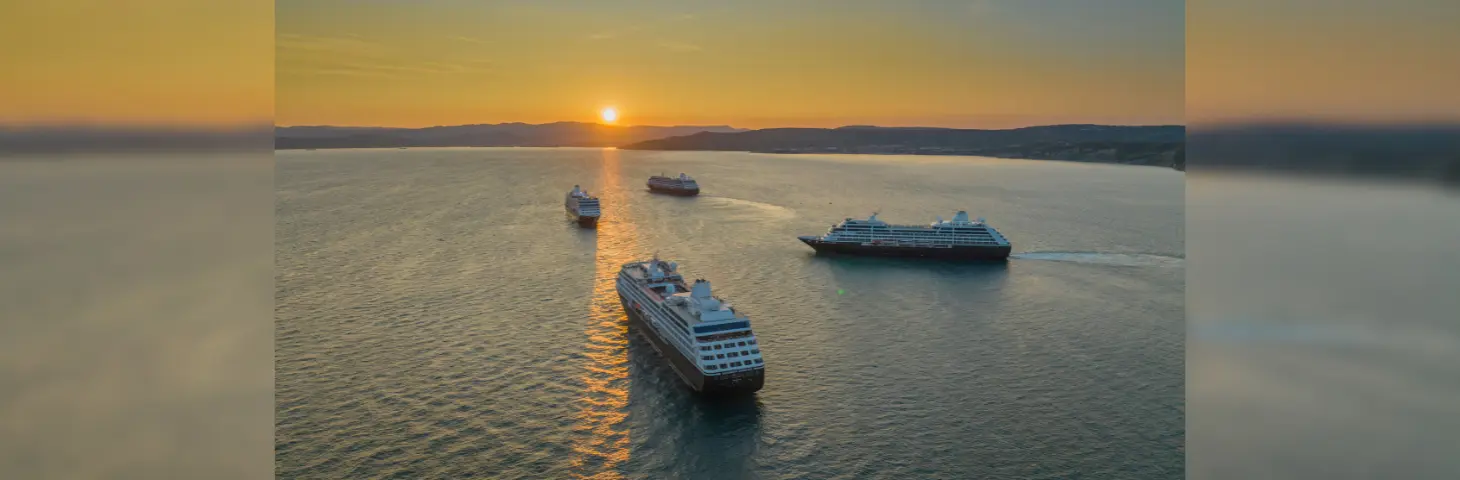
609 115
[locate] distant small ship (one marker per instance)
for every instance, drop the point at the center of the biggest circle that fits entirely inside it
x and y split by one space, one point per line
958 239
582 207
707 343
682 185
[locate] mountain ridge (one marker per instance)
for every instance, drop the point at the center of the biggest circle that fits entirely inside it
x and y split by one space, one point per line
1156 145
556 134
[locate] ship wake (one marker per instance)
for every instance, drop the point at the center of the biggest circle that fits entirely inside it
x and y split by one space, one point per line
1114 259
766 209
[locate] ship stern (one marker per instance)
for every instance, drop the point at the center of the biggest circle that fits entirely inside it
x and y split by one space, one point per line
733 384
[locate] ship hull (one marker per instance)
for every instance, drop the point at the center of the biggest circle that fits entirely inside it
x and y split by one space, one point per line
683 192
586 221
970 253
730 384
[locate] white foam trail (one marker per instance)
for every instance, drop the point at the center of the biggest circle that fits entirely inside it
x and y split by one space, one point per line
1117 259
776 211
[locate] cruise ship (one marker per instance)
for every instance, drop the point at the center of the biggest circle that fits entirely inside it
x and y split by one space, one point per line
707 343
959 239
582 207
682 185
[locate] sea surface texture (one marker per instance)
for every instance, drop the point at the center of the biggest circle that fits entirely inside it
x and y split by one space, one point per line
439 316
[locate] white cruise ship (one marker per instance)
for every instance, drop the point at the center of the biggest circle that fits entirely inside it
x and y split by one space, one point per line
582 207
959 239
683 185
709 344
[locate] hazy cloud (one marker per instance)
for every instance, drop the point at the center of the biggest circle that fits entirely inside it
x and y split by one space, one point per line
411 69
349 44
351 55
681 46
471 40
603 36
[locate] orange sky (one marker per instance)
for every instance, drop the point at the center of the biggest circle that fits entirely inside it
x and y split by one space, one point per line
1347 62
165 62
752 63
748 64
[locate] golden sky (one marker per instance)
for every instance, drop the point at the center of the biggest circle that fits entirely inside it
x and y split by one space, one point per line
160 62
1371 61
745 63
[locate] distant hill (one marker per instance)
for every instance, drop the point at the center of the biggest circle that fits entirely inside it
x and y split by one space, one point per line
1416 152
560 134
1136 145
130 139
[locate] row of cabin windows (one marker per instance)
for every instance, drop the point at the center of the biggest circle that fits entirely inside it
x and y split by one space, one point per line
913 239
731 355
940 232
970 240
734 364
721 327
915 235
723 336
706 348
964 228
932 238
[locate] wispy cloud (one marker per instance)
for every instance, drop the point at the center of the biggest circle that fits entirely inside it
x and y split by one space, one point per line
471 40
385 70
352 55
349 45
681 46
619 33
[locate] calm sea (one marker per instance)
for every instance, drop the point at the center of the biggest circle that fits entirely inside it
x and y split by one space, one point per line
438 316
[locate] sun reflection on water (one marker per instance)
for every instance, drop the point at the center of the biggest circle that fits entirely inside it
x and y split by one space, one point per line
604 435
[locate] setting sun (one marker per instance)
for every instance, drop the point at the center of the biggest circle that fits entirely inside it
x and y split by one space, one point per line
609 115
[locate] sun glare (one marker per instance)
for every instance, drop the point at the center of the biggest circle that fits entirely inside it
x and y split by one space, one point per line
609 115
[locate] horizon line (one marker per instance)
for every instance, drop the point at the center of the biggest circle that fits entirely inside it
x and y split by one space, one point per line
277 126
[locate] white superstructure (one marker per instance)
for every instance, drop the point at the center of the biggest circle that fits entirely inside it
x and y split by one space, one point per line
706 331
957 232
581 203
682 181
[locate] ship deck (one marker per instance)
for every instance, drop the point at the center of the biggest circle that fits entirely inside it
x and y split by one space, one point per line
641 280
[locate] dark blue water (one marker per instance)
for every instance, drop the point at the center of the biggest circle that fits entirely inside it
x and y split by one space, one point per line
439 317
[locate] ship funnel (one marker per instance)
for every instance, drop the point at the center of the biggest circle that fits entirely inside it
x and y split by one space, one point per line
961 217
655 273
701 289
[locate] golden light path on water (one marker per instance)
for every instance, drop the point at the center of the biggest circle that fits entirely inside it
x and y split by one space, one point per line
601 421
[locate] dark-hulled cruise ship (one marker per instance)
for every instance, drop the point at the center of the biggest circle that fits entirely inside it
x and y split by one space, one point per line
682 185
707 343
958 239
582 207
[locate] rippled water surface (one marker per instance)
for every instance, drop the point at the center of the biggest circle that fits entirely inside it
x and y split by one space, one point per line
438 316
